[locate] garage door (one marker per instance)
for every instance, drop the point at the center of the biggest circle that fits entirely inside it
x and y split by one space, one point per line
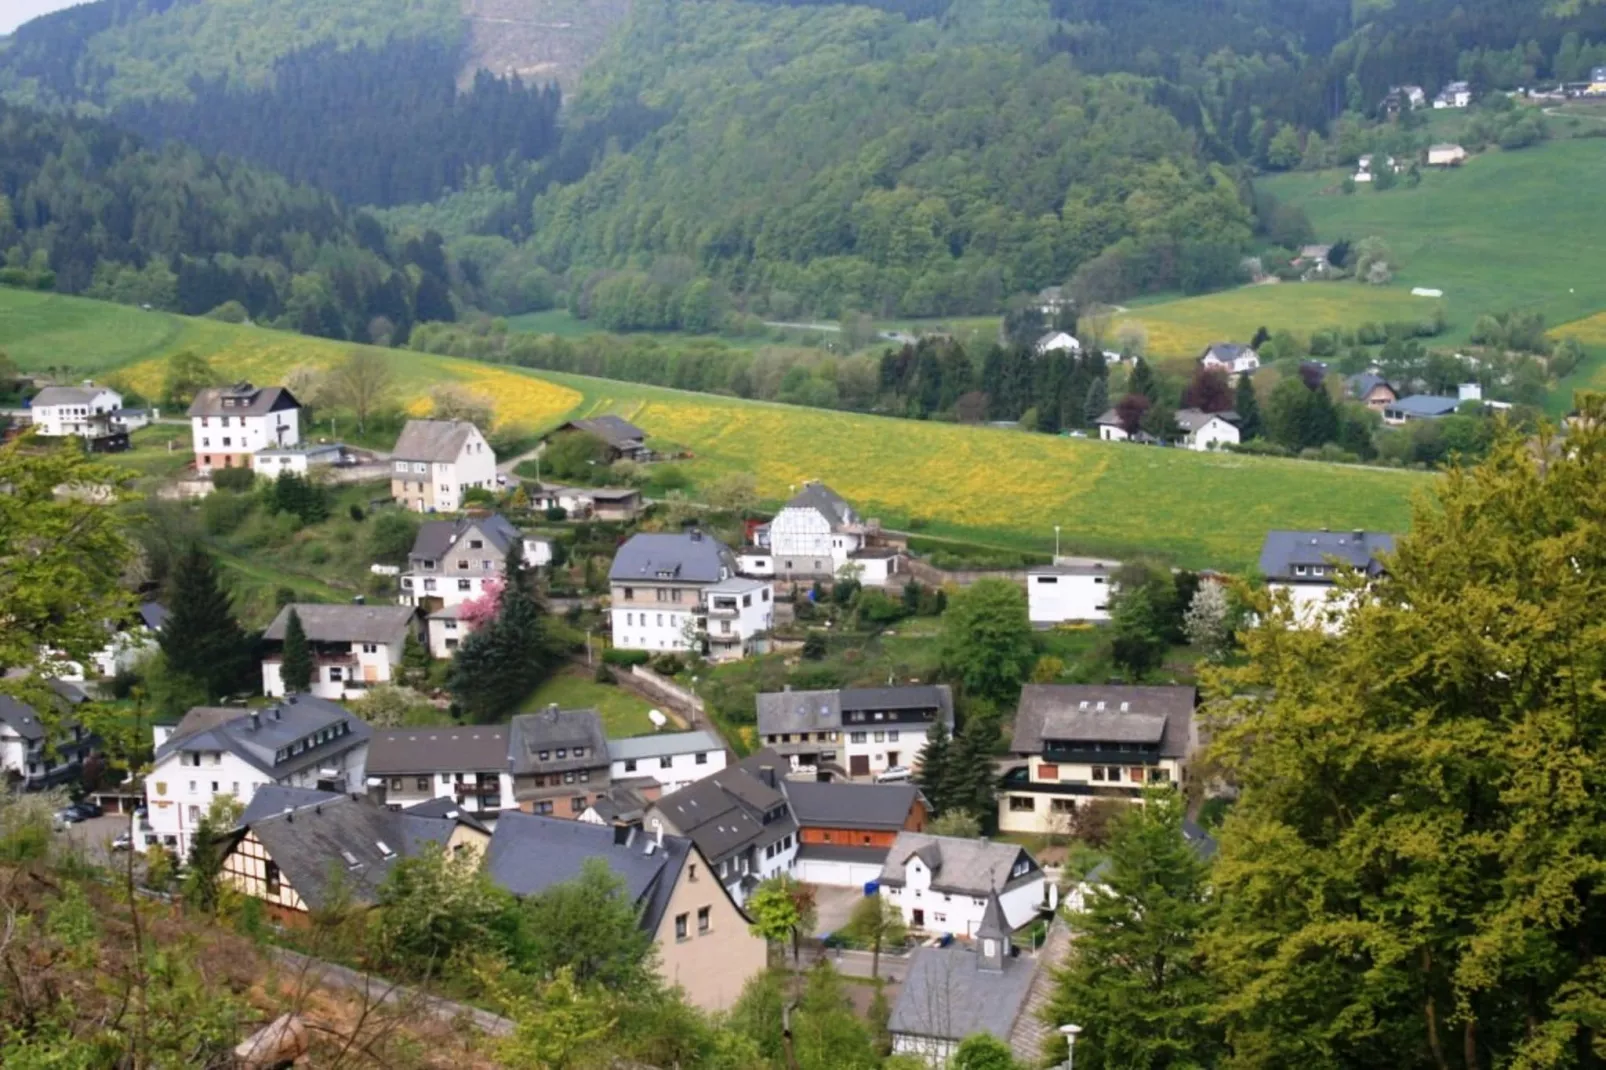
836 874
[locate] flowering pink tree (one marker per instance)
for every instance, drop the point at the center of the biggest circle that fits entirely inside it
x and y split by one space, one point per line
477 612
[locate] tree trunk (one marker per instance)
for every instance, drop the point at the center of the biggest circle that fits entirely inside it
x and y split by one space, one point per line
875 957
1430 1012
1469 1043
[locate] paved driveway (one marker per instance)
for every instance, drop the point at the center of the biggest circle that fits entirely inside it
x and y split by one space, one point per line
833 906
96 834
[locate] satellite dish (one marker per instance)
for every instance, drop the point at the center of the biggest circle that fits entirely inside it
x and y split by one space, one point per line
657 718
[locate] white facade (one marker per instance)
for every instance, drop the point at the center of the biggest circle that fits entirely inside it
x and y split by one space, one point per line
1316 605
340 677
663 628
752 561
1060 594
876 568
1446 155
215 436
836 874
1244 362
1059 341
270 462
1112 433
802 542
445 632
678 764
736 611
33 761
883 747
1213 434
942 912
78 417
410 789
442 484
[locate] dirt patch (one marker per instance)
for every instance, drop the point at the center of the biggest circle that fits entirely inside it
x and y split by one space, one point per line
538 40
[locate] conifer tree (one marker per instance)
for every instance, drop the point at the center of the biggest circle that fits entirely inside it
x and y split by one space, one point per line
969 783
498 666
934 760
201 639
295 667
1247 405
1142 380
1097 403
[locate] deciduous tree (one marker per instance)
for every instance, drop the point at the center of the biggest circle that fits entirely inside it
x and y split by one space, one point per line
877 922
987 640
362 383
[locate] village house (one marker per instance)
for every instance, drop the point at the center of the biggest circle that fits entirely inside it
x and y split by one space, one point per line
1062 594
1307 566
854 732
1446 155
738 615
1597 82
942 884
658 582
130 642
229 424
875 566
845 830
92 413
36 755
739 820
625 441
1404 98
1079 896
1080 743
299 460
322 850
467 764
672 759
1454 95
701 936
452 560
814 535
1371 390
614 504
1057 342
1419 407
302 742
353 647
558 760
1113 429
1205 431
436 462
959 990
1230 357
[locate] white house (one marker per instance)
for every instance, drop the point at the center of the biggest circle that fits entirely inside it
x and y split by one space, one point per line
1205 431
942 883
31 755
814 535
86 411
877 565
1307 564
228 424
444 631
353 647
755 561
131 642
297 459
737 613
452 560
673 759
1058 342
658 582
1058 594
466 763
1231 357
1446 155
302 742
436 462
1111 428
1454 95
854 732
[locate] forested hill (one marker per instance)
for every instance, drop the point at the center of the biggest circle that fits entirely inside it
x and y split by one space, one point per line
85 208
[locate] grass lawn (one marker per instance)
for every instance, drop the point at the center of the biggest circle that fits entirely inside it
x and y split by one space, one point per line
42 330
623 714
558 322
149 454
1507 230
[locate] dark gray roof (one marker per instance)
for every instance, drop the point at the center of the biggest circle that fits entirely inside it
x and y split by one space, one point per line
827 502
338 623
843 805
1227 351
447 809
439 441
21 718
345 841
663 744
1283 550
1364 383
687 557
724 813
437 537
614 430
530 734
466 748
1193 419
959 866
799 711
916 697
154 614
275 728
68 395
271 799
947 995
1203 844
247 400
1424 405
529 854
1071 712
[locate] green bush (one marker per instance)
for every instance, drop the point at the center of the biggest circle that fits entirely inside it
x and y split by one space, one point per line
356 512
625 658
222 514
234 480
392 536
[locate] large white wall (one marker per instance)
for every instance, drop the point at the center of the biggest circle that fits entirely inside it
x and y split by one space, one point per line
244 434
1055 598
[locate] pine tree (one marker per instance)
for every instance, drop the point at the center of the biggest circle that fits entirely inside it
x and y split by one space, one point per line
497 667
1247 405
201 639
969 783
1142 380
295 668
415 659
934 761
1097 403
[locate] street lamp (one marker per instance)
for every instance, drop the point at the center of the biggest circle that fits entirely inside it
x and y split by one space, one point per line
694 702
1069 1032
1056 544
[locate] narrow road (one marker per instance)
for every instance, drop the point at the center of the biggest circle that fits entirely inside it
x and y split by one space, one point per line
505 468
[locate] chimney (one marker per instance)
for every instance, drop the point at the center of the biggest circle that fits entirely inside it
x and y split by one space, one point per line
552 712
278 714
766 773
256 720
696 535
658 832
621 835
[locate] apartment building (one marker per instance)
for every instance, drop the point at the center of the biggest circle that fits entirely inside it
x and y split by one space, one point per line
229 424
658 583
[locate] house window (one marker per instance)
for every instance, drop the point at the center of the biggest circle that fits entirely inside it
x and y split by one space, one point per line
630 765
880 737
680 925
691 872
1062 806
585 775
666 763
702 758
543 808
703 919
577 804
395 783
568 778
1048 772
476 544
336 674
465 585
579 752
1022 804
858 737
422 783
544 755
273 877
563 752
892 737
630 592
370 648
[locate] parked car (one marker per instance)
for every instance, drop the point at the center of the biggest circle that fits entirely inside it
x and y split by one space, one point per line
68 815
87 809
896 774
123 842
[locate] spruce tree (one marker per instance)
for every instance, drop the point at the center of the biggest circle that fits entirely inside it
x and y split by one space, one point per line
1247 405
969 782
295 667
1097 403
1142 380
934 761
497 667
201 640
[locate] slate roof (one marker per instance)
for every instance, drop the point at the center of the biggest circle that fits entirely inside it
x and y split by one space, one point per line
211 728
821 711
845 805
447 809
1424 405
914 697
687 557
614 430
437 537
338 623
467 749
530 734
270 799
529 854
345 842
958 866
663 744
1364 383
724 813
68 395
438 441
1227 351
825 501
948 996
21 718
1192 419
1070 712
1283 550
154 614
249 400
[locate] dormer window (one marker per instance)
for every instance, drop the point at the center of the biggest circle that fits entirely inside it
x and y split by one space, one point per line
563 752
544 755
1299 570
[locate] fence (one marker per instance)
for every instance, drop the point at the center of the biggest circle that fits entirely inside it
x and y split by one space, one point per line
662 689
